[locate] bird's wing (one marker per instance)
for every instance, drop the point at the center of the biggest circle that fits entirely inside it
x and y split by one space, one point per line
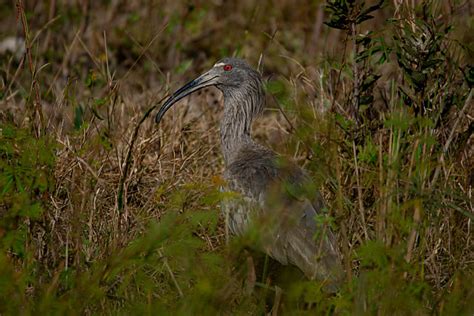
311 244
291 205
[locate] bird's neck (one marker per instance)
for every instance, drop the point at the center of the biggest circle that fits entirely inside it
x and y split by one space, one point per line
240 109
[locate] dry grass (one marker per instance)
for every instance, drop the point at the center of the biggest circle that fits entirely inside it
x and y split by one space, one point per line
129 217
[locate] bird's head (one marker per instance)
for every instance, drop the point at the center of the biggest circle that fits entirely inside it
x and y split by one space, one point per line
228 75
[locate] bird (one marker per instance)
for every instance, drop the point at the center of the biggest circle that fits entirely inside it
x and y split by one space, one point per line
273 196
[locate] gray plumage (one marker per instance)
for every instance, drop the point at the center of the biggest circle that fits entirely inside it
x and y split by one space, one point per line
276 198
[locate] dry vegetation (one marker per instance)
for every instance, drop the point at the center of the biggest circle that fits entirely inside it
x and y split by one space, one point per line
101 211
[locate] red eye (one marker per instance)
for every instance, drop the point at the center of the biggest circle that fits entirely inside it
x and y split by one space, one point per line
227 67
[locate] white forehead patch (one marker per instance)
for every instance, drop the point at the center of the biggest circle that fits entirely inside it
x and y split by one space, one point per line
219 64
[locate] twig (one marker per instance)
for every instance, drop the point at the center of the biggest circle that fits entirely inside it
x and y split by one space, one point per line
343 63
355 72
89 168
107 69
292 127
37 100
276 302
380 226
451 137
267 45
359 193
128 160
165 260
66 57
145 49
412 238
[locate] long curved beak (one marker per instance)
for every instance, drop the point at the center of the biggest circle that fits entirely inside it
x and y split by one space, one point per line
205 80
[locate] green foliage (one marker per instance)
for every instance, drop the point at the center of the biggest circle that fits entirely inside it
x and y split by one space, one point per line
379 119
26 164
346 13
